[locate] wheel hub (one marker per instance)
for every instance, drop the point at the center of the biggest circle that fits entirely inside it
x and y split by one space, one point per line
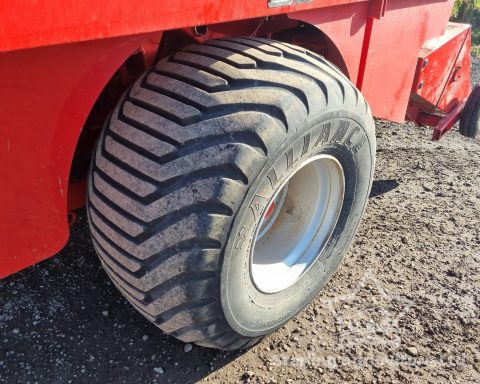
297 224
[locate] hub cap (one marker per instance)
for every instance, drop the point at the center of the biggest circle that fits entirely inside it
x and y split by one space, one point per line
297 224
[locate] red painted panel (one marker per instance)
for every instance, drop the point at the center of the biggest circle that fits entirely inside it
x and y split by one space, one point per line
458 84
45 97
46 93
393 52
30 23
443 69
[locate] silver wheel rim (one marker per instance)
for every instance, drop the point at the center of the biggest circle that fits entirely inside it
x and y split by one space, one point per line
298 222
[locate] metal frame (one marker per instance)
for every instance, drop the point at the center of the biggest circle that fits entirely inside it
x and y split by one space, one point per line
57 57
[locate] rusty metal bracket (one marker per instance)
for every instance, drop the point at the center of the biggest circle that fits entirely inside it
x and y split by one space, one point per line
441 124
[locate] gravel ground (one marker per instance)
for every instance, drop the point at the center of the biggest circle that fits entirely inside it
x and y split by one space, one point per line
403 307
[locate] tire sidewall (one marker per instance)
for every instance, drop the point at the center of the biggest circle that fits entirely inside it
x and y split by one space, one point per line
469 124
250 312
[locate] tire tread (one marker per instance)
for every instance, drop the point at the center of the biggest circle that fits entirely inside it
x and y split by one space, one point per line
175 159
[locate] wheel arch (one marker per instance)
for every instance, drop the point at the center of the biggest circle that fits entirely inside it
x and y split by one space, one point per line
122 72
46 96
342 28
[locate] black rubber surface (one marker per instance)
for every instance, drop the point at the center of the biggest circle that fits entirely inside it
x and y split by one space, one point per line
470 119
176 160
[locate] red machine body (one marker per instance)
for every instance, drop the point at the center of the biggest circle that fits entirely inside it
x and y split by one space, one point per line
57 59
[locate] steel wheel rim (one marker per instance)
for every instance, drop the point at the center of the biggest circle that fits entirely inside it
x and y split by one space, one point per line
306 210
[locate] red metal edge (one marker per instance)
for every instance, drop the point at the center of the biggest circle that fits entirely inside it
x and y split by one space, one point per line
364 53
448 121
441 124
442 75
27 24
442 80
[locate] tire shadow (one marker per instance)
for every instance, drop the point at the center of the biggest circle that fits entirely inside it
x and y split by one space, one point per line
380 187
63 321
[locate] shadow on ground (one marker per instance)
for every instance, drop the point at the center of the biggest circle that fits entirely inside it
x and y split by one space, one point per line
63 321
380 187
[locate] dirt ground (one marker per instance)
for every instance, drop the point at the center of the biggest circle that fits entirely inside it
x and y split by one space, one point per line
402 308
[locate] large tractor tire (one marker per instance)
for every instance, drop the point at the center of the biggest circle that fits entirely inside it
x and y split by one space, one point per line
227 185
